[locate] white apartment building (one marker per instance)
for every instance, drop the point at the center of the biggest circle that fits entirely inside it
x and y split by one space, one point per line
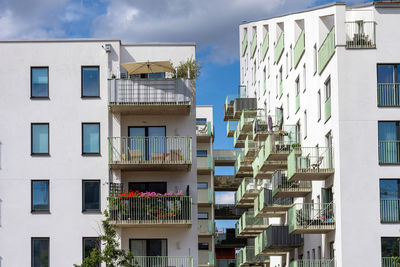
317 118
77 131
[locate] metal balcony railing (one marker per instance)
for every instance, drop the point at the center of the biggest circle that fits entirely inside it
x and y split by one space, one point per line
246 257
360 34
265 46
390 210
388 94
389 152
149 91
279 47
299 49
265 203
206 227
281 187
312 218
388 262
154 210
151 261
313 263
326 50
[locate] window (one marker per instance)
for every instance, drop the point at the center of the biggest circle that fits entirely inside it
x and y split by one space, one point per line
389 199
39 138
319 104
313 253
327 89
389 142
304 78
202 215
158 187
332 250
319 253
265 79
147 141
89 244
91 195
90 81
40 251
90 138
388 84
315 59
203 246
291 57
269 67
287 106
201 121
202 185
297 84
202 153
39 82
148 247
40 196
308 255
390 247
287 65
305 124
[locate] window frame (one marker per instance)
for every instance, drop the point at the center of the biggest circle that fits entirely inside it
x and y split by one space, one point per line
83 143
98 80
202 150
83 245
84 210
202 212
32 249
319 103
166 243
48 139
203 243
202 183
48 82
48 196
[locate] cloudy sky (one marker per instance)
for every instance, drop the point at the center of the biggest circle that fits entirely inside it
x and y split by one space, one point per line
211 24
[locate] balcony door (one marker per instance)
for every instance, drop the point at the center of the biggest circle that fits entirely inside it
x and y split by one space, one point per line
389 136
148 143
389 197
388 84
149 252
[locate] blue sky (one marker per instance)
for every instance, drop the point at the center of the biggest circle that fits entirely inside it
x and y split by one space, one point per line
212 24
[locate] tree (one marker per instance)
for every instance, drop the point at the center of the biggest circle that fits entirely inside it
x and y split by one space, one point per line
192 65
111 255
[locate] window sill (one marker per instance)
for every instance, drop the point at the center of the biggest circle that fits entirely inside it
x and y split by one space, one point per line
91 212
90 97
45 155
44 212
91 154
40 98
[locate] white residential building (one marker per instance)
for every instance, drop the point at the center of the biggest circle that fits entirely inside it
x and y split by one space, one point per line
76 131
318 123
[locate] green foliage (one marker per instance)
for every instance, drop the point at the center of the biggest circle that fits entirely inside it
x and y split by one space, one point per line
182 70
111 254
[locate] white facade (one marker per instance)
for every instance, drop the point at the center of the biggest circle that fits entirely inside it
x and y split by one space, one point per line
65 167
353 124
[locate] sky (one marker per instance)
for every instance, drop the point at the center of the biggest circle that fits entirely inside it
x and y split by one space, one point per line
211 24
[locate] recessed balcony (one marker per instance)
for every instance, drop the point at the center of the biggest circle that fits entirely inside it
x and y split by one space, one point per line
276 241
281 187
326 50
150 96
205 165
312 218
265 205
153 211
205 197
150 153
310 163
360 34
250 226
205 132
206 227
247 257
313 263
181 261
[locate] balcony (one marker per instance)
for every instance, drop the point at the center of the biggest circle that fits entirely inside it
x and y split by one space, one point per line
253 47
226 183
227 211
229 240
150 153
246 257
250 226
238 141
245 125
299 49
244 44
390 210
234 105
224 157
150 212
281 187
388 95
261 128
388 262
205 197
265 46
360 34
250 149
311 218
265 205
206 258
204 132
313 263
205 165
328 113
149 261
150 96
206 227
242 167
231 127
279 47
389 152
247 191
276 241
310 164
326 50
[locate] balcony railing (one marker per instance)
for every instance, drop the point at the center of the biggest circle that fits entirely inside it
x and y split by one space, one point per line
250 226
390 210
247 190
299 49
246 257
261 128
389 152
326 50
244 44
388 94
231 127
206 227
313 263
205 164
151 261
265 205
360 34
250 149
205 196
253 45
133 95
312 218
224 157
281 187
265 46
279 47
310 163
150 152
388 262
328 109
152 211
227 211
206 258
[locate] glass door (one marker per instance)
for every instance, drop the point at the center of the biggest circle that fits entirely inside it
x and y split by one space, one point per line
147 143
137 143
156 146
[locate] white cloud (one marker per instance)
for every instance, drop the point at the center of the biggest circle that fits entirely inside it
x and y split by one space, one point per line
225 197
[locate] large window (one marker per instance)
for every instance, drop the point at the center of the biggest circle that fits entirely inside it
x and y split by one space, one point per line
90 81
91 195
390 199
148 247
89 244
40 196
388 84
39 138
147 143
158 187
389 142
40 252
90 138
39 82
390 248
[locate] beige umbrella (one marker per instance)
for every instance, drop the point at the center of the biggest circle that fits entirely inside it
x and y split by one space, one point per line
148 67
